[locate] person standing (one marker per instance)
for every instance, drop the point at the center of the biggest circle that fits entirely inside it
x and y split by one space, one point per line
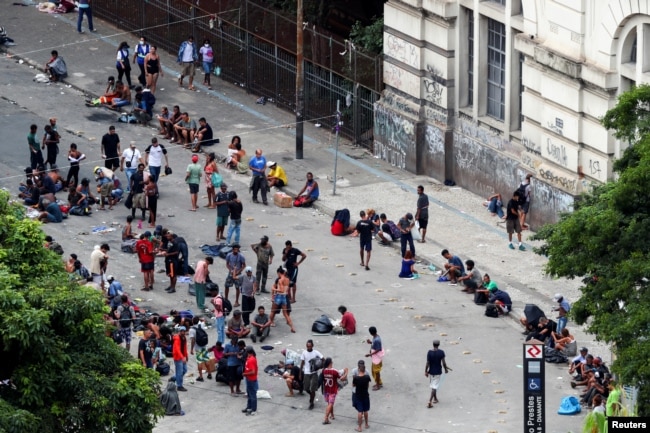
207 58
291 263
257 164
331 377
248 285
111 149
422 214
74 157
145 353
51 142
562 309
137 187
364 228
406 224
98 263
265 255
155 153
131 157
139 55
122 63
124 314
250 374
35 154
193 178
210 168
234 363
85 8
172 262
376 355
200 279
361 396
235 209
235 263
153 69
146 257
513 224
187 56
433 370
309 377
179 353
525 194
279 299
221 202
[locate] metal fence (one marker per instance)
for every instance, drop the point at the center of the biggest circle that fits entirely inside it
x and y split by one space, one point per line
255 49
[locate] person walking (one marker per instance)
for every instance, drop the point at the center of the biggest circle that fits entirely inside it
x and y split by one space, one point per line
279 298
201 275
207 58
153 69
122 63
179 353
248 285
433 370
257 164
422 214
155 153
193 178
139 55
360 394
265 255
309 376
85 8
331 377
74 157
250 374
364 228
35 154
376 355
131 157
187 56
110 148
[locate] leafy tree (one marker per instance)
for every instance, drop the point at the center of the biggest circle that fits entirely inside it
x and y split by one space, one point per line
369 38
65 374
605 243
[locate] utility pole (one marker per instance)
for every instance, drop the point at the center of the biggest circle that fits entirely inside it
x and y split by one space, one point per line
337 128
300 82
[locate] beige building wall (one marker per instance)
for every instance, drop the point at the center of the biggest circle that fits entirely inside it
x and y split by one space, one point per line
483 92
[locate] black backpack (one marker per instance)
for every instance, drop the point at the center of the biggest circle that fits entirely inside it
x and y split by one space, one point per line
227 306
201 336
491 311
521 192
125 317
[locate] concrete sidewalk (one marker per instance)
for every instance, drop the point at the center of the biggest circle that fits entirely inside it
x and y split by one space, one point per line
458 221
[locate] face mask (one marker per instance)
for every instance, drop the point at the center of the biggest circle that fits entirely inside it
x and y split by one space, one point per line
206 45
141 42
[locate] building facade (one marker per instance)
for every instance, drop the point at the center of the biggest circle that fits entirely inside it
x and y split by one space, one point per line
485 92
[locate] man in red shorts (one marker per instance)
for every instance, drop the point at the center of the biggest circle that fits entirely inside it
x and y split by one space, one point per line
144 248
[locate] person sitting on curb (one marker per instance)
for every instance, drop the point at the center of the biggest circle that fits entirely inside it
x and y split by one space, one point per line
454 267
308 194
184 130
494 205
472 280
56 67
500 299
276 177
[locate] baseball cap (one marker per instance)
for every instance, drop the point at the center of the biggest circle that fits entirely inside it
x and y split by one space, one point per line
248 269
264 238
557 297
270 163
195 158
147 234
110 278
132 144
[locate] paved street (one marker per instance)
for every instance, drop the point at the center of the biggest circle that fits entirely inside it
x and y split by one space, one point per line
484 391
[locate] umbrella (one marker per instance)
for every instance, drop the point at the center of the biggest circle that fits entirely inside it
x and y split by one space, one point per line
533 313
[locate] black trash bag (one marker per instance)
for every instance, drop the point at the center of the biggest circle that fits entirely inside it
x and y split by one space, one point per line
322 325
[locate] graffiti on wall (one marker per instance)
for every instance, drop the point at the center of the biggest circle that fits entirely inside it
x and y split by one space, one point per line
436 115
399 103
473 130
435 140
401 50
556 152
566 183
394 136
531 146
433 85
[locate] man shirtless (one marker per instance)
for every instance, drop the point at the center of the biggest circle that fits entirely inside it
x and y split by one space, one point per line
124 97
279 297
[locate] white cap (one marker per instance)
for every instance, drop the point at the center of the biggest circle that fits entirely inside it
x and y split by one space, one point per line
270 163
248 269
557 297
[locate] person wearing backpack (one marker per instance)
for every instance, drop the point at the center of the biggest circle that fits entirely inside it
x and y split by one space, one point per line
513 224
199 344
124 316
524 191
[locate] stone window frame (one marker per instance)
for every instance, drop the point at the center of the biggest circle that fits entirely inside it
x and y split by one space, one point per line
497 62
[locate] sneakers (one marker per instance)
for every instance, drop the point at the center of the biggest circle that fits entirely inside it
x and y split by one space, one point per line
182 389
311 406
512 247
254 338
209 376
251 413
262 338
245 411
522 248
199 379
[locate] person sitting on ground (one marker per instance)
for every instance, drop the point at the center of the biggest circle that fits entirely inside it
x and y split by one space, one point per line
56 67
236 326
167 121
388 231
123 99
184 130
374 219
127 230
31 194
472 280
593 365
277 177
408 266
309 192
454 266
84 189
577 362
111 92
562 340
545 328
348 325
140 110
204 136
51 212
494 205
234 149
341 223
500 299
261 325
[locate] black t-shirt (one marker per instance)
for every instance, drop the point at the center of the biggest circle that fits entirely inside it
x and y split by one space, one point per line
207 136
512 204
361 384
143 346
172 247
434 358
137 182
235 208
110 142
423 206
364 227
292 257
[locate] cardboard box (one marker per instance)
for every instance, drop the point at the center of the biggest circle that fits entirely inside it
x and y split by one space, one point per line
282 200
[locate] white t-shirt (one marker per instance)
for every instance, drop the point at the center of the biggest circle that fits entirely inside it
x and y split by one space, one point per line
308 356
156 155
206 53
132 156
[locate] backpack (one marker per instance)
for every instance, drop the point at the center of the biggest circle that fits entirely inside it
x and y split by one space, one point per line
125 317
322 325
491 311
226 305
521 192
316 364
79 211
201 336
394 230
480 298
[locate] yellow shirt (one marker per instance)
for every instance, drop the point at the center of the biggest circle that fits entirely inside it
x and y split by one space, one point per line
279 173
